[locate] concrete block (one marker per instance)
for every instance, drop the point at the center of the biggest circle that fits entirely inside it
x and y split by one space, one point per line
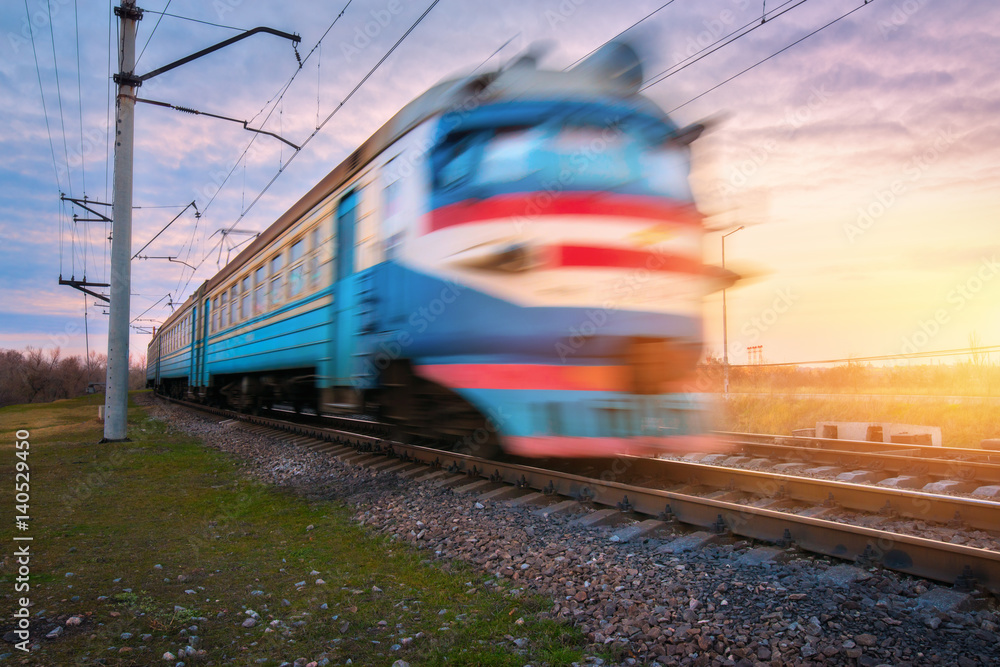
688 543
527 499
598 518
400 466
432 476
759 463
386 462
789 467
761 556
860 476
736 461
715 458
903 482
946 600
503 493
844 575
418 471
950 486
992 491
637 530
824 470
563 507
472 486
694 457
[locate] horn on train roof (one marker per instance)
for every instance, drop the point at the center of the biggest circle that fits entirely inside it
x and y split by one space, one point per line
615 61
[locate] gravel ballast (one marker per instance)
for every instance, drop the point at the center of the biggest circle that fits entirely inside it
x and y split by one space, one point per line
726 603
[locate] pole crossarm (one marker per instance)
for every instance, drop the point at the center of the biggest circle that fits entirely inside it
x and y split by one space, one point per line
245 123
86 204
169 258
204 52
82 285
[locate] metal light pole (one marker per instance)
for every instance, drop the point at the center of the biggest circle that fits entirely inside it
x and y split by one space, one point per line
725 323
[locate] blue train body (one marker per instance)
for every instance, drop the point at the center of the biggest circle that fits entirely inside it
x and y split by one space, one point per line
513 260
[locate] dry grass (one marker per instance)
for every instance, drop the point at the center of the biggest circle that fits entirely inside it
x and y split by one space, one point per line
962 424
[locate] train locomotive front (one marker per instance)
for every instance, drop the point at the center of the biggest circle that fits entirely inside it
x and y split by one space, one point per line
554 277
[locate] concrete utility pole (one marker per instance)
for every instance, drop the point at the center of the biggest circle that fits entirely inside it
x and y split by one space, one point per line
116 387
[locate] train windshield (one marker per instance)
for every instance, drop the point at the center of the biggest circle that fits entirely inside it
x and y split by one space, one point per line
529 147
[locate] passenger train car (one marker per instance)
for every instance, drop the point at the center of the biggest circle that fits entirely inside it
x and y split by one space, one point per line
513 260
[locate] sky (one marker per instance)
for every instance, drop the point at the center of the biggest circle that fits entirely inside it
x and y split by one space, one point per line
863 162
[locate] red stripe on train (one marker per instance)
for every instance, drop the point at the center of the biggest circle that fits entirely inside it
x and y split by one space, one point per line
528 205
624 258
527 376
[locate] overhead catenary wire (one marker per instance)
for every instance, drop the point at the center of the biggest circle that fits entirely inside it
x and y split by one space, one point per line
41 91
776 53
62 117
619 34
720 43
79 95
930 354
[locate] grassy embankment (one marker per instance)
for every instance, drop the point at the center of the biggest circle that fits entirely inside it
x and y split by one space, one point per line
962 424
110 512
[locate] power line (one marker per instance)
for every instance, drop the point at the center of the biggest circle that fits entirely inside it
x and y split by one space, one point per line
41 91
720 43
776 53
79 94
594 50
984 349
62 118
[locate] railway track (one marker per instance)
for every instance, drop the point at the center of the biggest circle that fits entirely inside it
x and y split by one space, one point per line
767 506
973 472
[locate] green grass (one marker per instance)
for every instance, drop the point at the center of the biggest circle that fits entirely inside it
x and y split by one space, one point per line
105 512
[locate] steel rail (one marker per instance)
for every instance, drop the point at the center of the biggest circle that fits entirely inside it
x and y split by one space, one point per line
864 446
951 563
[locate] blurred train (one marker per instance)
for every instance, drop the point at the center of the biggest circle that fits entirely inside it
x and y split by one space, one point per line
512 261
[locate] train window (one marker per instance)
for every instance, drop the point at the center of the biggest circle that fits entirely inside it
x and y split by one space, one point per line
245 299
312 264
260 291
234 304
295 277
225 311
276 280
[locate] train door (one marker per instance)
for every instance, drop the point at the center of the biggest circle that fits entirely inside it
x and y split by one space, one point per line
345 292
